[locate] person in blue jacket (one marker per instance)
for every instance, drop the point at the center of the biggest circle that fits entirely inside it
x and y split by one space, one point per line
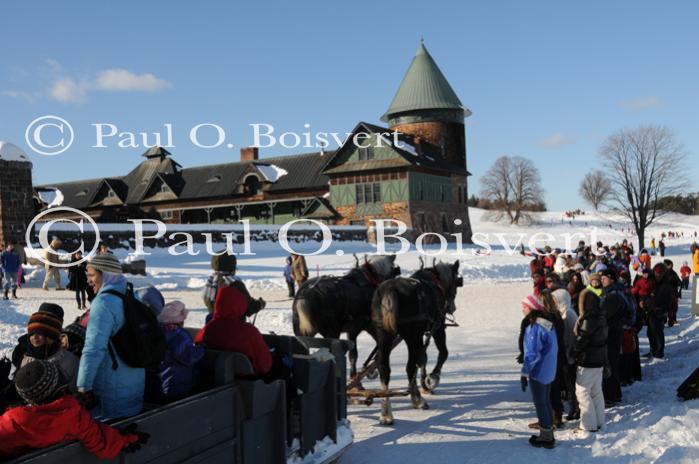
178 371
10 267
109 390
539 367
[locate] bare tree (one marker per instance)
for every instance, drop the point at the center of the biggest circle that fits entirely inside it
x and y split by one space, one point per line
512 184
595 188
644 165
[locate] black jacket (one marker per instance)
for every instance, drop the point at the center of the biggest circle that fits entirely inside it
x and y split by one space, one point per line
613 305
590 347
662 299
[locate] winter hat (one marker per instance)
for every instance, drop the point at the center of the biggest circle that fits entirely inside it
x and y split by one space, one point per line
38 381
608 273
659 269
105 263
594 276
55 243
224 263
53 309
685 263
46 324
173 313
76 338
151 297
531 302
578 267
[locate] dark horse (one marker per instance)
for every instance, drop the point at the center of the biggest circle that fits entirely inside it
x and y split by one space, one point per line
411 307
331 305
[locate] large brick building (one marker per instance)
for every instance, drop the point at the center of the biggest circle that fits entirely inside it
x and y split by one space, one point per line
418 176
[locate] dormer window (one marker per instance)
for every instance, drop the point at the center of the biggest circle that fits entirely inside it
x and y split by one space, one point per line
214 179
111 194
251 185
164 188
364 149
81 193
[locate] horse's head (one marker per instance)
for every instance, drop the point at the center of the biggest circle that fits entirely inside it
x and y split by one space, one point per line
384 266
451 280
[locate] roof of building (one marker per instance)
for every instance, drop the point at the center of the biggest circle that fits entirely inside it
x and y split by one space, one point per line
412 153
424 87
11 152
304 172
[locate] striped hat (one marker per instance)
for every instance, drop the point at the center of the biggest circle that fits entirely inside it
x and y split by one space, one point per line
46 324
531 302
38 381
105 263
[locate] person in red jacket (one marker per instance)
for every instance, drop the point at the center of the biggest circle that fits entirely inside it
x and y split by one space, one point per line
53 416
228 331
685 272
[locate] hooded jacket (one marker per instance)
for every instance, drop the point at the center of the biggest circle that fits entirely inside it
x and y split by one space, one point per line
228 331
120 390
563 302
540 351
591 341
27 428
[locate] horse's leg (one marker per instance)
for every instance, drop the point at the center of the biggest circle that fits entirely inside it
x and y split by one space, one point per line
416 357
423 368
383 361
353 355
440 341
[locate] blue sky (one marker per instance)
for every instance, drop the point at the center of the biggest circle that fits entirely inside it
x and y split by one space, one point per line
547 80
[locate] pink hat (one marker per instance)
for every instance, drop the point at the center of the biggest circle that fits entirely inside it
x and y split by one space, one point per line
173 313
531 302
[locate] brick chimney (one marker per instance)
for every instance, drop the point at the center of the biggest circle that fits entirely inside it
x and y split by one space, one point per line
249 154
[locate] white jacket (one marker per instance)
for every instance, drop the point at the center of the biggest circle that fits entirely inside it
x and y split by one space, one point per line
564 304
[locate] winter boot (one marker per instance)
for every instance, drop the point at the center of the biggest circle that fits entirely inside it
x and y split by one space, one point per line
14 293
558 419
544 440
6 297
573 415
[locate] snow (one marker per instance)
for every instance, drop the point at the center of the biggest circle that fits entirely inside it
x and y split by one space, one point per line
405 146
478 414
271 172
53 197
325 450
11 152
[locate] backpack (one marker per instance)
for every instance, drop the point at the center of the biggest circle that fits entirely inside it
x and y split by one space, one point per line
141 341
629 310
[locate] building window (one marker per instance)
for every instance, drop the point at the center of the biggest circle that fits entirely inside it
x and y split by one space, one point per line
359 189
111 194
164 188
364 149
368 193
167 215
251 185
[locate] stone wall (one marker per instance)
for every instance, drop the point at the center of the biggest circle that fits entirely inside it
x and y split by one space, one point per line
16 206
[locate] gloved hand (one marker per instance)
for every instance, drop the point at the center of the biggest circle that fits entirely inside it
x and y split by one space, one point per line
524 382
87 399
520 358
262 302
5 368
138 438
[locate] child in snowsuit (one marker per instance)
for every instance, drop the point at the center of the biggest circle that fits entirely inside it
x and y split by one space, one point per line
685 272
52 416
539 368
178 371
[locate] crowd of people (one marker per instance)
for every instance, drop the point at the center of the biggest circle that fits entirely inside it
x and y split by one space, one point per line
73 381
579 337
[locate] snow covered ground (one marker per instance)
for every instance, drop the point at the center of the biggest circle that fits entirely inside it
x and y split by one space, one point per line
478 413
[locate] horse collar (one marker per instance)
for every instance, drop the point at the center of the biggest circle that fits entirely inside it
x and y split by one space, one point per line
369 274
438 282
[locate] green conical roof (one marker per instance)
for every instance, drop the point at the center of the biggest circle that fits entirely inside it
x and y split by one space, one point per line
424 87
